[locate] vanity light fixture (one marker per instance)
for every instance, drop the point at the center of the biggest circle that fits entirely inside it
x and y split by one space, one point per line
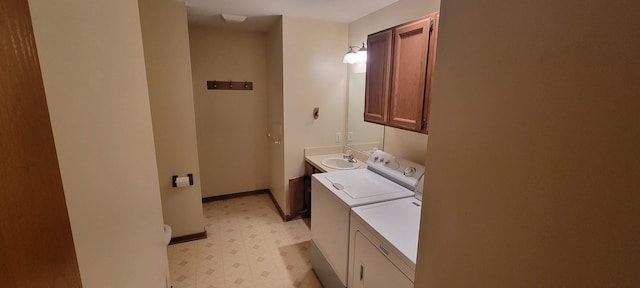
361 56
353 57
350 57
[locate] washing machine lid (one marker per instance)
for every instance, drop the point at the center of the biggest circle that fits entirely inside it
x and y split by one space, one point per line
361 187
398 222
365 185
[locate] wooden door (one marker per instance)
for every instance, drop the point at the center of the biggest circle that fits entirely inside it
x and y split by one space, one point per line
376 97
36 246
407 97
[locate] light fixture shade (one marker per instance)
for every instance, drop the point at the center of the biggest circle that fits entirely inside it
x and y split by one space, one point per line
350 57
361 56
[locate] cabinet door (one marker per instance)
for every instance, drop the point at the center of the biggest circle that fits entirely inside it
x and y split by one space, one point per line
408 81
373 270
376 98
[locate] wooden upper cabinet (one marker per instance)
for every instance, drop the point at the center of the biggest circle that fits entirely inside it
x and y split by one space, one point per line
376 98
399 97
411 43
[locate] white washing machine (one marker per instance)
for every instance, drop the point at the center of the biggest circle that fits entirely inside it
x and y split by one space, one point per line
334 194
383 243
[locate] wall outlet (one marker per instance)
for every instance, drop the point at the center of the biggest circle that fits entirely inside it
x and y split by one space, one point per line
350 137
338 137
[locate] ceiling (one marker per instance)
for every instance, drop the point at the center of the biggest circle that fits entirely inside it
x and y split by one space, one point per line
261 14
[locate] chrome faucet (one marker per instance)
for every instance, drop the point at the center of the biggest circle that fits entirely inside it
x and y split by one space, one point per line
349 156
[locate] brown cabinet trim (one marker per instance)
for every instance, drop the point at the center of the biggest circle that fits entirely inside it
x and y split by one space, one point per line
431 61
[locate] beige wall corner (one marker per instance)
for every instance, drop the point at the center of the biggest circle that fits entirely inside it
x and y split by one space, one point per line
231 124
275 112
402 143
533 158
93 69
166 52
314 76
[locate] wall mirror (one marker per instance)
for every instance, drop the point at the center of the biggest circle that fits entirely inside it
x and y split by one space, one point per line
364 136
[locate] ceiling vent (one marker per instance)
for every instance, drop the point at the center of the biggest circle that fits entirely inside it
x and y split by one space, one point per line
233 18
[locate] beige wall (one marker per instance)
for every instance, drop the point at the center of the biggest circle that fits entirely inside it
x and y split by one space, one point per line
314 76
166 51
405 144
533 159
401 143
231 124
275 111
94 75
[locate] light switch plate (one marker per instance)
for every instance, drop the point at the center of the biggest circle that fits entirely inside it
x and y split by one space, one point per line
350 137
338 137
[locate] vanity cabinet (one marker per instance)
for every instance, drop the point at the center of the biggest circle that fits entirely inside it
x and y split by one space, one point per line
399 67
308 171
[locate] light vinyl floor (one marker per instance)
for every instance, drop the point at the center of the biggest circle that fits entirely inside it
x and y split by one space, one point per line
248 245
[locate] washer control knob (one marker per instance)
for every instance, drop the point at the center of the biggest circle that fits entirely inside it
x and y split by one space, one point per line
409 171
375 159
386 162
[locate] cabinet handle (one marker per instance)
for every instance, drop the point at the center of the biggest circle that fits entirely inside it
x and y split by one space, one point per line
361 272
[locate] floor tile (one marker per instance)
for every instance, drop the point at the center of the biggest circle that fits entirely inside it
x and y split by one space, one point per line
248 245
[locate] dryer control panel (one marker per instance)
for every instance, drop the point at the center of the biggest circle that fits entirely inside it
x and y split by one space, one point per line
401 171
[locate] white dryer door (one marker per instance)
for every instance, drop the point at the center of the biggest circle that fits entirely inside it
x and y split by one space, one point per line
372 269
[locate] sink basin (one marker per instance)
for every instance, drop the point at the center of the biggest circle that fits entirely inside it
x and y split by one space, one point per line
339 163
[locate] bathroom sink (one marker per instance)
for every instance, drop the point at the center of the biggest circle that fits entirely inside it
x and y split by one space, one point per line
339 163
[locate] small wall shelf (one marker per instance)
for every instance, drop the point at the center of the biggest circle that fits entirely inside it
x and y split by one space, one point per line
229 85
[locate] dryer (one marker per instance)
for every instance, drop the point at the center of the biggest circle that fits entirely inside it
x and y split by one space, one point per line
384 244
334 194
